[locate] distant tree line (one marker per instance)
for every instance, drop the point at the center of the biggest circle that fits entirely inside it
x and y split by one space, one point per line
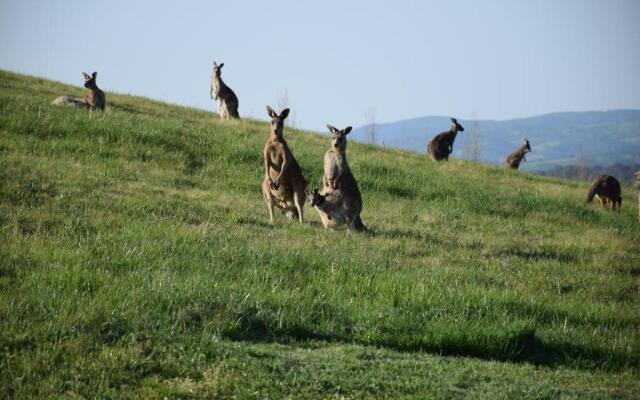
579 171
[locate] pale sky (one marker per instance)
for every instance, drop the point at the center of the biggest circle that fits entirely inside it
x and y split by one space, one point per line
336 59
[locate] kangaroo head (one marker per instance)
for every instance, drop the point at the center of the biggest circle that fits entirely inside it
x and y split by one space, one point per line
339 137
90 80
277 121
637 175
455 126
217 69
527 146
315 198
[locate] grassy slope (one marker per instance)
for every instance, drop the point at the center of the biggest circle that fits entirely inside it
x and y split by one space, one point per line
136 260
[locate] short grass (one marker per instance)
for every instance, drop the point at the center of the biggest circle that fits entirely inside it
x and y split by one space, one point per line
136 261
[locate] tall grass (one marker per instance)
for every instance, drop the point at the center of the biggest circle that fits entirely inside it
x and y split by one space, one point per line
137 259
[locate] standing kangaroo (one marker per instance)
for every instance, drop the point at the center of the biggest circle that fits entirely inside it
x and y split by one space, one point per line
607 188
441 146
283 185
94 99
340 202
514 159
224 96
637 175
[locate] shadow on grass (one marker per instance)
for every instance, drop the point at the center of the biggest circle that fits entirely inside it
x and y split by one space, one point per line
279 219
539 254
132 110
523 347
397 233
254 222
401 192
634 271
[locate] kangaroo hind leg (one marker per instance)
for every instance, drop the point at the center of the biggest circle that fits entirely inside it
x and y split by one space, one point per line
268 199
298 200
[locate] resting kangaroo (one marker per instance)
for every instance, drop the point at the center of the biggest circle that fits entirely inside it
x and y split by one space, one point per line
283 185
441 146
607 188
514 159
94 99
340 202
224 96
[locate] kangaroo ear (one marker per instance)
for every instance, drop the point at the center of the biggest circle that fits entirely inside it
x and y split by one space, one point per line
215 64
86 76
455 121
332 129
221 65
94 75
346 130
271 113
284 113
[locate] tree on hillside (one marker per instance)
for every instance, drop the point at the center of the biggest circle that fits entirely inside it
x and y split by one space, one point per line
623 172
370 121
582 166
473 145
283 102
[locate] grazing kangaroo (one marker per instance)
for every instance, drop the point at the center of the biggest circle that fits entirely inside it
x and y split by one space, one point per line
514 159
607 188
95 99
283 185
441 146
224 96
340 202
637 175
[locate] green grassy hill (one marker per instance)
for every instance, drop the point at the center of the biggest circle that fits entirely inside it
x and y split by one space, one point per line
136 260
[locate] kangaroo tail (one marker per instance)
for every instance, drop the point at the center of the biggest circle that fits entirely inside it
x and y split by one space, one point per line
233 110
592 190
430 151
359 225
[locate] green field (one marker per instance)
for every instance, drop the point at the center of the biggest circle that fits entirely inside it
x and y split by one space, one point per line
136 261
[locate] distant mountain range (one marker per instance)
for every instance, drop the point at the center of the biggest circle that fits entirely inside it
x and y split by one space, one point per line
603 137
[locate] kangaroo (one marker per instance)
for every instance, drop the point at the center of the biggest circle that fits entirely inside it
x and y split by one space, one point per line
94 99
224 96
331 210
441 146
607 188
514 159
340 202
637 175
283 185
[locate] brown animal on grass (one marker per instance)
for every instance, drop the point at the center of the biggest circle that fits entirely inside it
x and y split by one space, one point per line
283 185
340 202
94 99
514 159
441 146
224 96
607 189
